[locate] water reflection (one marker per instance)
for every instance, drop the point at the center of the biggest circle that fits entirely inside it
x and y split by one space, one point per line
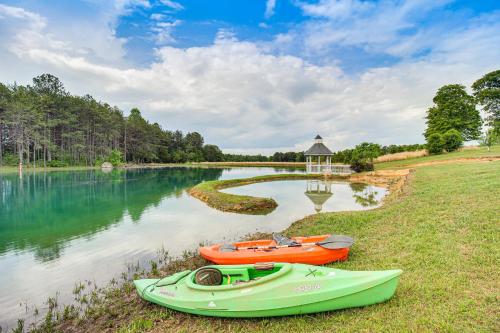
318 191
364 194
42 211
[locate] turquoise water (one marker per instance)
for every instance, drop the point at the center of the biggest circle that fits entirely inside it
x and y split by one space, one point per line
60 228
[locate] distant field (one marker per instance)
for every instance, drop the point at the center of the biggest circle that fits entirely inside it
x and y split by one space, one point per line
401 156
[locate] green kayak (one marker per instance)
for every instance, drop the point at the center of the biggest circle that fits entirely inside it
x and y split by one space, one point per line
268 290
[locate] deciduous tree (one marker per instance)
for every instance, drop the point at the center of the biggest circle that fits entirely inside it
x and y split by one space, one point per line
487 92
454 109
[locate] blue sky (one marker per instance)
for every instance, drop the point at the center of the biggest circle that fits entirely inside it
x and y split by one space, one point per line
346 68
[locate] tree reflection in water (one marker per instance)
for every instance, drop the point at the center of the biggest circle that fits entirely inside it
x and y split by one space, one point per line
364 194
43 211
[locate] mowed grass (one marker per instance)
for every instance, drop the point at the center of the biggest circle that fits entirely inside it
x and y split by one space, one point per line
480 152
442 231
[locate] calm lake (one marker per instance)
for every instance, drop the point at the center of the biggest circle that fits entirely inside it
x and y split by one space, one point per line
60 228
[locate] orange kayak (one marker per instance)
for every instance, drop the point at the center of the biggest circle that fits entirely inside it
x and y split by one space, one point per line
305 250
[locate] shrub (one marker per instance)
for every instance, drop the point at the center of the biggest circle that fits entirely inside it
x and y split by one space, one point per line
435 143
361 165
115 157
362 156
99 161
10 159
57 164
452 140
490 138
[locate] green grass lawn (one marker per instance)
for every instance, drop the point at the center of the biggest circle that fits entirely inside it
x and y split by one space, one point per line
442 231
467 153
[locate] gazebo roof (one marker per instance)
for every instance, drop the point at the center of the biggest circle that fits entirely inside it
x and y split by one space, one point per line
318 198
318 149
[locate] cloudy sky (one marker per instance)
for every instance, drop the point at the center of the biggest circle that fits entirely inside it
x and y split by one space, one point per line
258 76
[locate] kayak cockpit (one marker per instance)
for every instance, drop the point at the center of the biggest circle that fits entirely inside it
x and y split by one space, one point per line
231 277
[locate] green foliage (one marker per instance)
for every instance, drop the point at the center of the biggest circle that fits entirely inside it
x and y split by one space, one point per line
490 138
367 150
179 157
435 144
212 153
10 159
487 93
137 326
245 158
393 149
115 157
453 109
288 157
358 165
362 156
57 164
20 326
452 140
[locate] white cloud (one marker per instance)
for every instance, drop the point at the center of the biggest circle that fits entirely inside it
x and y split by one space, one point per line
34 20
336 9
270 5
172 4
163 32
157 17
386 27
242 97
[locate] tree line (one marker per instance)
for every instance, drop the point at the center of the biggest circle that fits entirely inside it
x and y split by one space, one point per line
455 118
43 124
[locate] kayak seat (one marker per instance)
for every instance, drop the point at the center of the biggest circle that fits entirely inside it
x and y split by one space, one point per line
227 248
282 240
208 276
235 275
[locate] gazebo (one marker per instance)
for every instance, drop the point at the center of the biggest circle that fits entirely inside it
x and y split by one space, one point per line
319 159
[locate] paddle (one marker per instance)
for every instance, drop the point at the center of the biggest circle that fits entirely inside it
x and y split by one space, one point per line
333 242
336 242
